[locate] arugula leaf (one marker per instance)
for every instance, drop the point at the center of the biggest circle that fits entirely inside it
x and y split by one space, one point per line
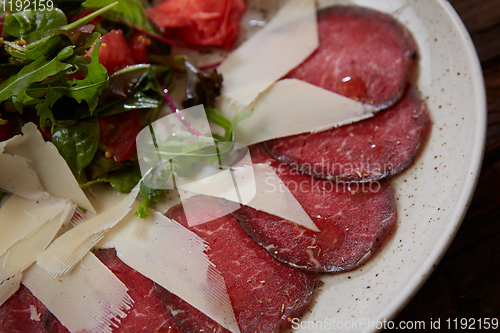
52 45
36 71
89 17
130 11
3 122
133 87
33 25
123 81
123 180
236 120
138 100
44 109
82 37
216 117
77 143
70 26
101 165
149 196
91 87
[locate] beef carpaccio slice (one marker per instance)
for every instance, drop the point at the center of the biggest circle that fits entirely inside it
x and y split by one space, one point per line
265 293
22 313
363 54
364 151
353 220
148 313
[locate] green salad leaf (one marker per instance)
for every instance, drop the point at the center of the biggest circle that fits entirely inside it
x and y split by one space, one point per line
216 117
52 45
91 87
37 71
78 143
123 180
149 196
128 11
32 25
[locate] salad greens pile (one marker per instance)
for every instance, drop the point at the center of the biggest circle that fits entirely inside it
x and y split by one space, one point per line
51 74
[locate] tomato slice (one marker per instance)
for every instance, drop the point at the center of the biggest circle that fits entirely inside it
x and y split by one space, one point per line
114 53
138 44
118 132
199 22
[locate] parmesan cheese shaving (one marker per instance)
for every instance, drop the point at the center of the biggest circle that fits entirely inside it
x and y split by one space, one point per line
19 178
287 40
68 249
103 197
261 188
173 257
89 299
52 170
9 287
275 198
23 253
292 107
20 218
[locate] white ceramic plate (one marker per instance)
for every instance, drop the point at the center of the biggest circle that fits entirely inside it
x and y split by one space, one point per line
434 193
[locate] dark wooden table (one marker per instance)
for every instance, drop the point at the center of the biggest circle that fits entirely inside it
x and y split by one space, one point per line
466 283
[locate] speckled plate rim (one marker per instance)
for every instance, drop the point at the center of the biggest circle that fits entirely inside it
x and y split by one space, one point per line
351 296
470 182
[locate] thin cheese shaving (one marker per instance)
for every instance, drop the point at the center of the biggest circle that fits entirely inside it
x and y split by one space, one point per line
90 298
23 254
103 197
21 218
68 249
275 198
287 40
292 107
19 178
261 188
175 258
9 287
52 170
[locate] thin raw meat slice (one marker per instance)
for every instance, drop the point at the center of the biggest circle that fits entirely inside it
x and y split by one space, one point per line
148 313
363 54
265 293
353 220
364 151
22 313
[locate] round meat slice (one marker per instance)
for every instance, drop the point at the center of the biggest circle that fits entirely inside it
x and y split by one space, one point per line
363 54
364 151
353 220
148 314
23 312
265 293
